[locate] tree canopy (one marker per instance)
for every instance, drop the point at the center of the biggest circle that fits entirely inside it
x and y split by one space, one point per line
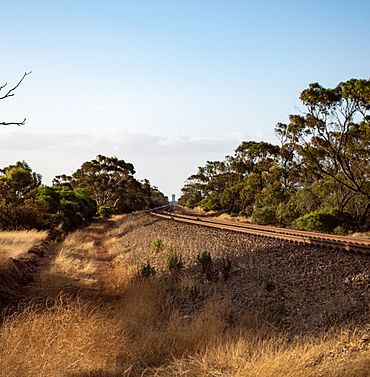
112 184
102 186
322 163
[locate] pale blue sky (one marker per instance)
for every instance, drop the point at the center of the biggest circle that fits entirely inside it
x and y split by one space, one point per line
165 85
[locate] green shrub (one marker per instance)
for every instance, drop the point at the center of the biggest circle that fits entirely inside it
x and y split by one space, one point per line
211 202
147 270
174 261
106 211
323 220
157 245
205 260
264 215
286 212
339 230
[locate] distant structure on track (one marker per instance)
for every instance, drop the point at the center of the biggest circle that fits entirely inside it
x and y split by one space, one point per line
173 200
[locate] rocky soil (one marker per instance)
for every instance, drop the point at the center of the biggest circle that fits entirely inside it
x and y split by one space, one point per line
300 289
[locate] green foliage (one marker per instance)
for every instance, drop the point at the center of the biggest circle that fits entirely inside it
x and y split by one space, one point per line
25 203
339 231
325 220
322 162
205 260
264 215
64 207
147 270
286 213
157 245
112 184
174 261
72 201
106 211
16 208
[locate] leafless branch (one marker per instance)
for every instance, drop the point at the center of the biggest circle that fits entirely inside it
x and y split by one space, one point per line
13 123
10 93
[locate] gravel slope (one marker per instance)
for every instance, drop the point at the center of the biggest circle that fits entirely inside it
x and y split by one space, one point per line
301 289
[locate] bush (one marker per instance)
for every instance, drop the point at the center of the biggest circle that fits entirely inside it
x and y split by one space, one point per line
174 261
211 202
62 207
205 260
264 215
147 270
323 220
157 245
106 211
339 231
286 212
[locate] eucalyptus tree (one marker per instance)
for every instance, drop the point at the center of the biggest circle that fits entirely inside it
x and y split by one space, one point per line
332 136
112 184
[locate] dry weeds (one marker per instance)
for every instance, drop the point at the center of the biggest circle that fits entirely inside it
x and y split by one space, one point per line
14 244
137 326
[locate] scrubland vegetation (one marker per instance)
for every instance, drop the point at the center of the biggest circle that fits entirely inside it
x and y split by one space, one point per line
316 179
103 186
94 313
122 294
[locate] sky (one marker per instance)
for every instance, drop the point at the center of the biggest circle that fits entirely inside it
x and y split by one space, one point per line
165 84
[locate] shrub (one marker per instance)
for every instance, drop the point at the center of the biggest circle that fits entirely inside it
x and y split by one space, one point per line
339 231
323 220
106 211
147 270
286 212
211 202
205 260
157 245
174 261
264 215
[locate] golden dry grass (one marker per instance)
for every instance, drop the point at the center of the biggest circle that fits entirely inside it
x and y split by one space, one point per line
16 243
142 333
74 267
361 235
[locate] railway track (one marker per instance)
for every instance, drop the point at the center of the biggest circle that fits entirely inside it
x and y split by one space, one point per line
349 244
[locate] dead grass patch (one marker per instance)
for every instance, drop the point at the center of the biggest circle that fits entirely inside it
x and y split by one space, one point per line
143 335
142 332
14 244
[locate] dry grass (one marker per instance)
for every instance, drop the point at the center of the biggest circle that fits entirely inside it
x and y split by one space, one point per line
74 267
361 235
141 332
142 335
16 243
226 217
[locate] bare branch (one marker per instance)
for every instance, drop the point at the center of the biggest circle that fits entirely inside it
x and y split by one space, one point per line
13 123
10 91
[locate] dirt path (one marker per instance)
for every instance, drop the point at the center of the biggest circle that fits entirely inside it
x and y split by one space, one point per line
104 273
80 265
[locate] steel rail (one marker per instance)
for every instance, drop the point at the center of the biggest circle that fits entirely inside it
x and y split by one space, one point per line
356 245
280 230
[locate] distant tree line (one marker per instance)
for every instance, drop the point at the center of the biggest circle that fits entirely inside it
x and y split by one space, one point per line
316 179
103 186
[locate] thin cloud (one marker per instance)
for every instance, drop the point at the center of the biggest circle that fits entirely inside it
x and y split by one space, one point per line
142 144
